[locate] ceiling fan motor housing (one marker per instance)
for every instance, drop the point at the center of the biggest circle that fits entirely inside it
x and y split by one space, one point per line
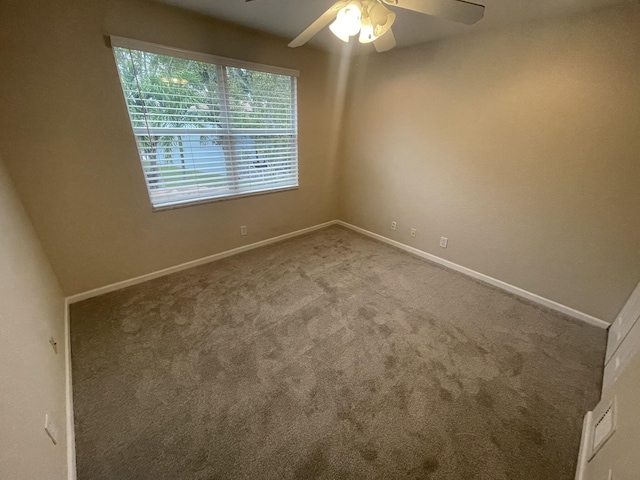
371 18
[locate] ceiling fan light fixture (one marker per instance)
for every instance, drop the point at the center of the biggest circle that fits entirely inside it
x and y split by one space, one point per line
348 21
351 17
367 34
339 31
381 19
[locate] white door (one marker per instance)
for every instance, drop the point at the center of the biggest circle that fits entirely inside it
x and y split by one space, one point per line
624 339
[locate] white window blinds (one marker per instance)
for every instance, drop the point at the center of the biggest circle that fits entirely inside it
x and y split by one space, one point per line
206 127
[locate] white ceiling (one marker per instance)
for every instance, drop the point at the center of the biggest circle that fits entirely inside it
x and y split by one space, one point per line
287 18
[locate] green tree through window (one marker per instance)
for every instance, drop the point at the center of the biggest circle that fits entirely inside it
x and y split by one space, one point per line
206 131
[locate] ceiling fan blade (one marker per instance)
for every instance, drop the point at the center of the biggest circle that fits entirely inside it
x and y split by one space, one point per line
385 42
318 25
457 10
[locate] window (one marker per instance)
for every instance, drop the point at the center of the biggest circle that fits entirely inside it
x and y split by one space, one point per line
206 127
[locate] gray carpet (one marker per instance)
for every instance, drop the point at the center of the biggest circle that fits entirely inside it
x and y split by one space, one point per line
328 356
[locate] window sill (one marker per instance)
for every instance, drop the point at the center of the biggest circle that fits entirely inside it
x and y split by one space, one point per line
193 203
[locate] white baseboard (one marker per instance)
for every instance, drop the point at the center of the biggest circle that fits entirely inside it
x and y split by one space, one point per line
70 428
484 278
454 266
193 263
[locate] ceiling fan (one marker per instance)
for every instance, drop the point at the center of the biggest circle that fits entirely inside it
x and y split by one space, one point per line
372 20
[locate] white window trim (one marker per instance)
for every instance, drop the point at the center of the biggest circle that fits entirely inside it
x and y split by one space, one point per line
199 57
129 43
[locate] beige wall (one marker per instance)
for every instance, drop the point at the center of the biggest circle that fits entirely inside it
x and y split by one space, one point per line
32 376
66 139
521 146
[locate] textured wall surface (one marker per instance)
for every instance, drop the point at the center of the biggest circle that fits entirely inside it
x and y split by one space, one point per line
520 146
69 148
32 376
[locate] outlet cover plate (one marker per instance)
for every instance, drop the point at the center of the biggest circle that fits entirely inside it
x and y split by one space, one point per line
604 427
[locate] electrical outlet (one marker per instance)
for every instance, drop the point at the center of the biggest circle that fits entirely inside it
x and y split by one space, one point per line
414 232
51 428
443 242
394 225
243 230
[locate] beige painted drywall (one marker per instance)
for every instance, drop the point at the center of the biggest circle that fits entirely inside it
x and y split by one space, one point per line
66 139
521 146
32 376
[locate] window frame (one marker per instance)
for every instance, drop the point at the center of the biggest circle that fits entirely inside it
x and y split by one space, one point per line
218 61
